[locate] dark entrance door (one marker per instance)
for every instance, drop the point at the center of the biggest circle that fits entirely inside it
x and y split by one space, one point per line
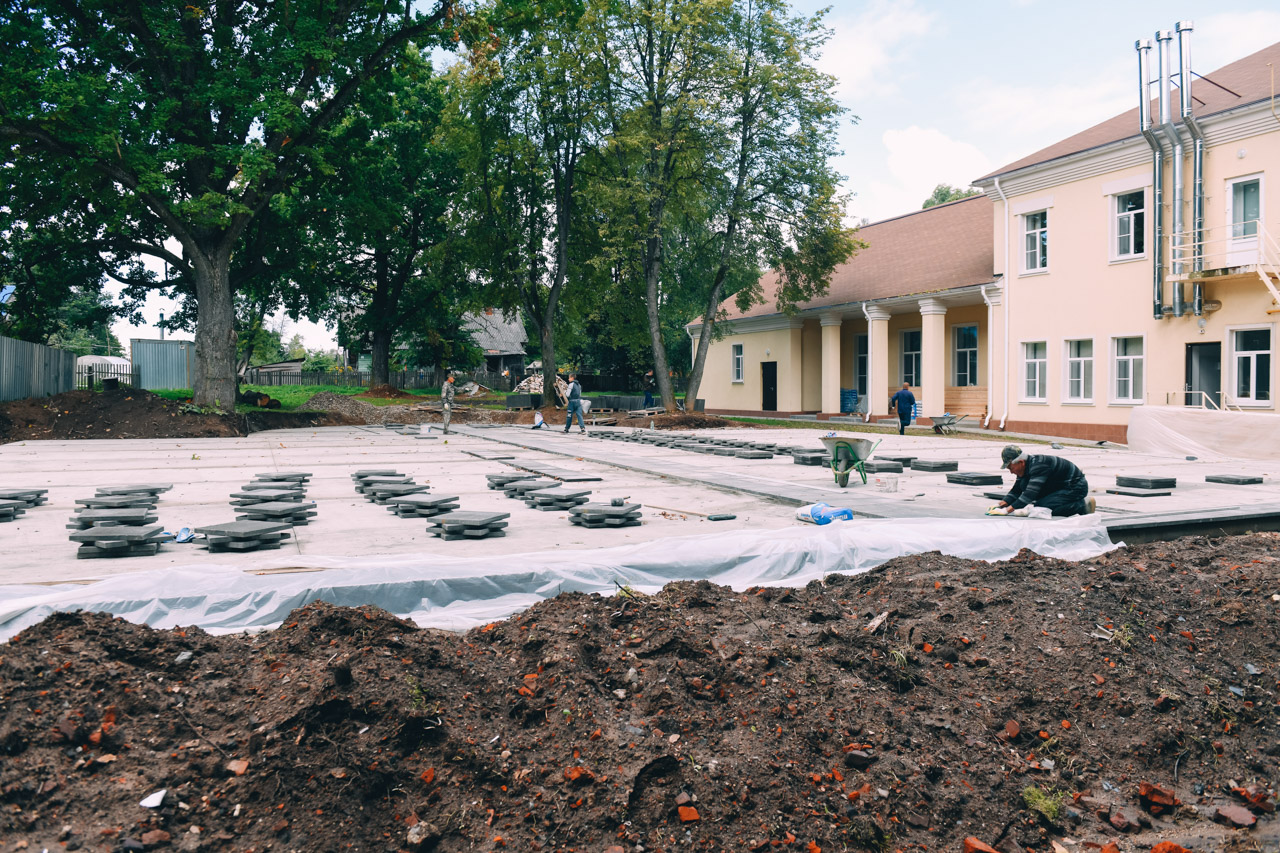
1204 373
769 371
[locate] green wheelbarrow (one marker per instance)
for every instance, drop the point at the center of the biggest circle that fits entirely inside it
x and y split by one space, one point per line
849 454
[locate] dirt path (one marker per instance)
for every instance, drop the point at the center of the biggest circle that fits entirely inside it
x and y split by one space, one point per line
1125 701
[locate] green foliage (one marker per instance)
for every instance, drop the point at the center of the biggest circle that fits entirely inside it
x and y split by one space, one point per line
320 361
944 193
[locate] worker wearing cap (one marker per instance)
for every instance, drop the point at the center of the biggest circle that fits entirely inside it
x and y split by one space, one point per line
1051 482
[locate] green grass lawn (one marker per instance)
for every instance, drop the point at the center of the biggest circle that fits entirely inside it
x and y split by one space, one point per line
291 397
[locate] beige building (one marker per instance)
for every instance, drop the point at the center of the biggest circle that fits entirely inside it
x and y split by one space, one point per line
1109 306
917 306
1112 307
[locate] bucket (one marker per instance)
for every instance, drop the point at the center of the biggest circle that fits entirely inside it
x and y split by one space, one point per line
885 483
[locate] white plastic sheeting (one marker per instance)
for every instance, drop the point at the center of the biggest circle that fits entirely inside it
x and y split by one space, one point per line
460 593
1204 433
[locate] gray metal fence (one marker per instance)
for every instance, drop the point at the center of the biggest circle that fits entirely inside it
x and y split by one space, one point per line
34 370
163 364
95 375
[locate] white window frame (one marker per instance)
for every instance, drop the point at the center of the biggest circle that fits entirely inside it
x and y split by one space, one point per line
902 357
1041 367
737 364
1231 203
1114 359
1086 369
956 351
1232 370
1113 202
1042 246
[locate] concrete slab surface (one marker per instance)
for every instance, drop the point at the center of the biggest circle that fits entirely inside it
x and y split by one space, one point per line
677 489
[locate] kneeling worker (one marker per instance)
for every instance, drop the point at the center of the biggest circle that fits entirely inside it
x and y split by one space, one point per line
1046 481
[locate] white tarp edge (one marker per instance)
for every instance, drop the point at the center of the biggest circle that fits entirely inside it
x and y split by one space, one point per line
1204 433
457 594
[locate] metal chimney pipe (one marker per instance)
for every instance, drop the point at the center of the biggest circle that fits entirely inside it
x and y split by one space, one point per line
1184 29
1164 39
1143 47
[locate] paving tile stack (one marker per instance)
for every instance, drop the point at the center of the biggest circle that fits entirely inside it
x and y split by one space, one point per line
128 517
500 481
244 535
380 493
969 478
421 505
605 515
555 499
300 479
260 495
30 497
11 509
284 512
468 525
144 500
118 540
936 465
146 489
518 488
366 483
811 457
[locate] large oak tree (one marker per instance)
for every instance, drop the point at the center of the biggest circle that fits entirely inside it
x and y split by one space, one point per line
196 116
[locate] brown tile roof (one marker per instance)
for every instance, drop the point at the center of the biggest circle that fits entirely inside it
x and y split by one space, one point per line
1244 81
921 252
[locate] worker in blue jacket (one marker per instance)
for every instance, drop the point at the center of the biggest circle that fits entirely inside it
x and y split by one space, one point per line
1047 481
905 404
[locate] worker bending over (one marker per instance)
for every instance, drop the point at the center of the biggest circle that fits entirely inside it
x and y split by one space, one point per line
1045 481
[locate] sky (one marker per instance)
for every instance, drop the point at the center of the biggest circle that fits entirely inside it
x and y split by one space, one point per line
947 91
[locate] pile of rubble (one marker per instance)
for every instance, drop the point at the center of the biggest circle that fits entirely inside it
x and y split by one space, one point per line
533 385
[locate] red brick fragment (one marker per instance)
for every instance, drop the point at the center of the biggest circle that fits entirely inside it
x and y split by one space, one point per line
155 838
688 814
1169 847
973 845
237 766
1156 799
1257 799
579 774
1234 816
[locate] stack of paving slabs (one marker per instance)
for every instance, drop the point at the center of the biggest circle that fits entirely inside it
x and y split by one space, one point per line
129 517
422 505
811 457
973 478
381 493
135 501
259 493
555 499
151 490
468 525
244 535
500 481
117 538
11 509
29 497
518 488
357 476
299 479
605 515
385 478
283 512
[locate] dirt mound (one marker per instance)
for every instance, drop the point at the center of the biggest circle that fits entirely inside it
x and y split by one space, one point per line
1127 700
124 413
386 392
681 421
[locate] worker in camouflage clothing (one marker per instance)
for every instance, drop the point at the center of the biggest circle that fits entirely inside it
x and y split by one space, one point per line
446 400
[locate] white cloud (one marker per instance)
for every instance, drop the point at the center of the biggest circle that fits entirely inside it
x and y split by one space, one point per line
917 160
867 47
1227 36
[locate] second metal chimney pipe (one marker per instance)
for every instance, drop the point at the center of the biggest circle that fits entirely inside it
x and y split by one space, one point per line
1164 40
1143 47
1184 29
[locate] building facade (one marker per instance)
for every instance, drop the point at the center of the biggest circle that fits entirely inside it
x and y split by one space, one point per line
1136 260
916 306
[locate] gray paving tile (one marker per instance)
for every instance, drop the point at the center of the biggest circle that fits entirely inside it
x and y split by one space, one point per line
1233 479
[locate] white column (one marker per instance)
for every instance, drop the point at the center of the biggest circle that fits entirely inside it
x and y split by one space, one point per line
933 357
877 361
995 352
830 362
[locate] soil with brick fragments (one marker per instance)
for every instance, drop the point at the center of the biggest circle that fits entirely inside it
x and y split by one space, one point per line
131 413
1127 703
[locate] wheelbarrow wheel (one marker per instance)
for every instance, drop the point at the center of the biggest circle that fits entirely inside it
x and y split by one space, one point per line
842 479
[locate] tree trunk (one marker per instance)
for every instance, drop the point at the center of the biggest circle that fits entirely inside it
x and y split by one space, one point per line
215 368
548 340
704 343
381 370
652 272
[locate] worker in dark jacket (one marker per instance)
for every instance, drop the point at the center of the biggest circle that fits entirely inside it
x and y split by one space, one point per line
904 403
1046 481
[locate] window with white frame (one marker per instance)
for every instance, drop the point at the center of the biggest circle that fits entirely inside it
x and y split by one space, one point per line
1251 365
1246 208
1080 371
966 355
1130 225
1128 369
1035 370
737 362
1035 241
911 357
861 362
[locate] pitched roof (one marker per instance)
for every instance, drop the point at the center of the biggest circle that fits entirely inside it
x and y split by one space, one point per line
925 251
496 334
1245 81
